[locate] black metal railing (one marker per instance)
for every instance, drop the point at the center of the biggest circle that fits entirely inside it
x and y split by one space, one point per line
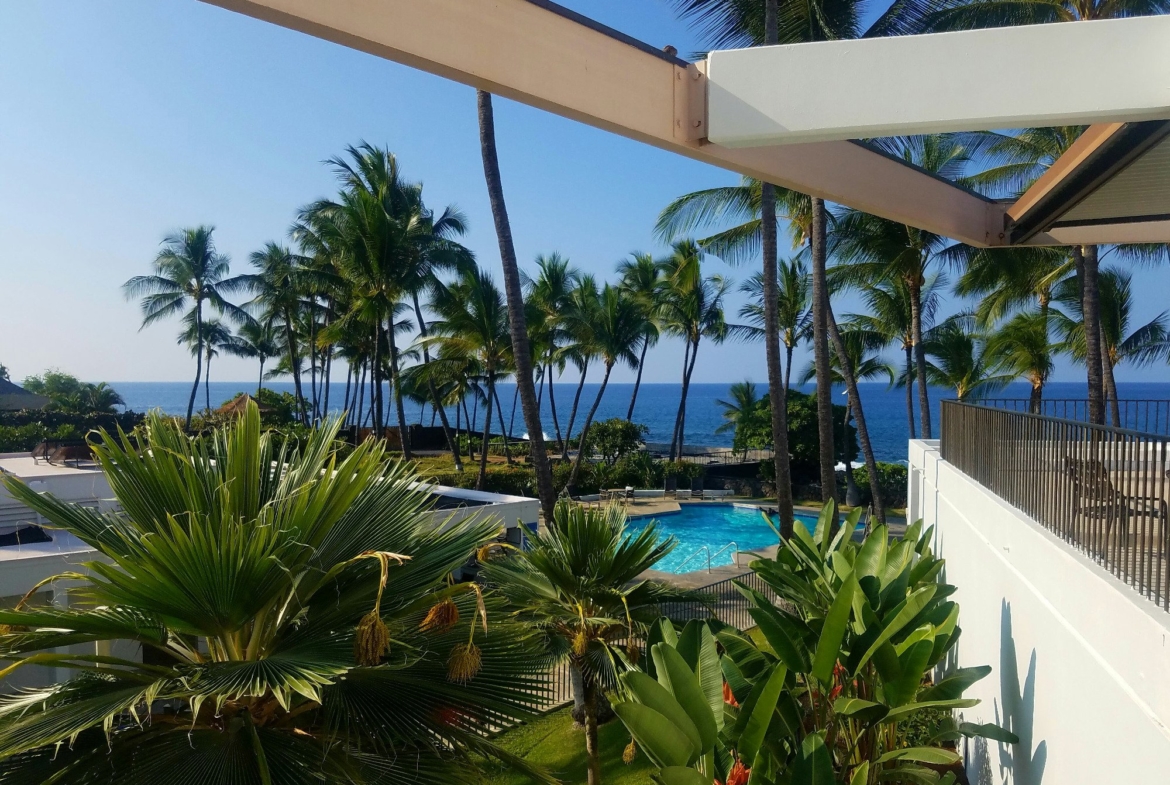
1103 490
1135 414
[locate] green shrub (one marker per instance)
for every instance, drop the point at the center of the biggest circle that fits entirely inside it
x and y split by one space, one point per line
615 438
891 480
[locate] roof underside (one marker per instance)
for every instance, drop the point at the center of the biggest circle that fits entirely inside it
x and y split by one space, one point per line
1112 186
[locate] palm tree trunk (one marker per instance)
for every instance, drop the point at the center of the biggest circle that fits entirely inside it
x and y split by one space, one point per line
487 424
359 395
313 361
1036 398
403 426
1086 259
592 751
376 381
776 383
470 431
198 360
820 297
787 373
326 381
503 435
512 416
294 366
537 455
552 403
1111 390
207 382
879 507
452 442
682 421
920 358
682 400
260 381
585 430
638 379
910 389
573 411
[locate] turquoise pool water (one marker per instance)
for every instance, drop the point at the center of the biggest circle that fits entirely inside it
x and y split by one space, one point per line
712 525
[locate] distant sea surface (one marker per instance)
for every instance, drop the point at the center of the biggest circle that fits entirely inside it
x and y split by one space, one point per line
657 405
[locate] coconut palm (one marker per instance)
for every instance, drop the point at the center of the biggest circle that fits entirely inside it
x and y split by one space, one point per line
794 311
692 308
615 331
1120 342
890 315
473 323
549 293
538 457
961 360
1023 347
277 287
210 337
580 309
256 340
577 585
300 624
876 250
641 279
188 273
741 413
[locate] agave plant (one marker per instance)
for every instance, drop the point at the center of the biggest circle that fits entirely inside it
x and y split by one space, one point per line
827 690
295 614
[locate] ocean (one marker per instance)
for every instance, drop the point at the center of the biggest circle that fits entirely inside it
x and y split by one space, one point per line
657 405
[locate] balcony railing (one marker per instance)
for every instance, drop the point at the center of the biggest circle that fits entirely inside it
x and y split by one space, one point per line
1103 490
1135 414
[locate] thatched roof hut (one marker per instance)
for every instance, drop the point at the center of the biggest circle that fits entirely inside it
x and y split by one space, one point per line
14 398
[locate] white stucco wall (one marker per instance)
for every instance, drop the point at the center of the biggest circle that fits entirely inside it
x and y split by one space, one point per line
1081 661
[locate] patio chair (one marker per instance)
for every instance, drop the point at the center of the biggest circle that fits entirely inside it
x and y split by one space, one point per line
697 488
670 488
1095 496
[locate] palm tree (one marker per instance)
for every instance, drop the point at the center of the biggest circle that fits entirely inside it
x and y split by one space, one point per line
577 587
1023 348
962 361
793 309
641 278
473 323
188 272
256 340
876 250
300 625
741 413
550 294
1119 341
890 315
580 309
692 308
538 457
209 337
617 328
277 287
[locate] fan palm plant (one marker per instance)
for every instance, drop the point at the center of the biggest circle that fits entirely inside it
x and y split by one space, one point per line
188 274
616 329
298 613
577 586
641 279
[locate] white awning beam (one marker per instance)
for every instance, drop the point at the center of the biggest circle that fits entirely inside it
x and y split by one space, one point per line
1008 77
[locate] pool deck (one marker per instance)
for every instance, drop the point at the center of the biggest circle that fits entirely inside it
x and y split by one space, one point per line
701 578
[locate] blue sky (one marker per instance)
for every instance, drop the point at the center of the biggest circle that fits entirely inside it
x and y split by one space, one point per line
124 119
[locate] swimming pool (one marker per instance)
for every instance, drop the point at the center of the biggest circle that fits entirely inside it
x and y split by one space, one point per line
712 525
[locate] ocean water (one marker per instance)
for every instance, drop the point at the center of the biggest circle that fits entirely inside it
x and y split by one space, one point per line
657 405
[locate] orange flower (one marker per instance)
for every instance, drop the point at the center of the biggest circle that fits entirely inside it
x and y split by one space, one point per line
739 774
729 696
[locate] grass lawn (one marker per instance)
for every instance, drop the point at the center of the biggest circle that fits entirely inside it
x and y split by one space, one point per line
553 742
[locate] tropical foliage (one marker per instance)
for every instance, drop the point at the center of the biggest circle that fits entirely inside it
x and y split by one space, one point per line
296 613
66 393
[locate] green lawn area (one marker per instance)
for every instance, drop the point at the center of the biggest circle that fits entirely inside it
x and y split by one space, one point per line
553 742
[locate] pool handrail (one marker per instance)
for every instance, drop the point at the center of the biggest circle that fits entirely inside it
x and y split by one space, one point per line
710 555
